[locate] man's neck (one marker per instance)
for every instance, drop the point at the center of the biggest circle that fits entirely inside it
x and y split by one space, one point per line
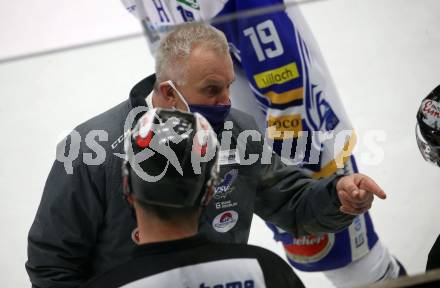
158 231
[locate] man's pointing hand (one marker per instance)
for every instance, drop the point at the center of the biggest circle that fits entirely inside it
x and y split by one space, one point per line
356 193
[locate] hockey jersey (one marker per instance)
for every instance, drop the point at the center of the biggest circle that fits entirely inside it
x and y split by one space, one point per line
293 99
195 262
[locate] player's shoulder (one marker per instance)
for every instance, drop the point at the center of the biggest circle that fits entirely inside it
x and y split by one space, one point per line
263 254
225 258
106 120
276 271
104 130
247 251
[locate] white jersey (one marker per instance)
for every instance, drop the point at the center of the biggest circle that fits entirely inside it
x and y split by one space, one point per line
288 77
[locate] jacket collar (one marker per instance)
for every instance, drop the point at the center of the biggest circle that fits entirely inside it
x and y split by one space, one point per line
171 246
141 90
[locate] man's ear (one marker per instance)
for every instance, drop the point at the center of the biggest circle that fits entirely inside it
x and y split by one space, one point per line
167 95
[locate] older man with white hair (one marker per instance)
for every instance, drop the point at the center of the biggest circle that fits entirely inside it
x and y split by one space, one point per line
83 226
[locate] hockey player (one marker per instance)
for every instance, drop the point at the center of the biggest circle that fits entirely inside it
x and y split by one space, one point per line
283 82
82 227
170 253
428 140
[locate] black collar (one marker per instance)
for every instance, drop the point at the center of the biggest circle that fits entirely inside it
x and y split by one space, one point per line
170 246
141 90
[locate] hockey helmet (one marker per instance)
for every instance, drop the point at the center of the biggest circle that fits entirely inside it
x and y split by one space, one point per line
428 127
171 159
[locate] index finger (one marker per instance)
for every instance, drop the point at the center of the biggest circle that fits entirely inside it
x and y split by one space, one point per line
368 184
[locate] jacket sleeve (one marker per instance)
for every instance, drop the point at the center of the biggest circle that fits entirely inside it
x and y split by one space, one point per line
291 200
64 231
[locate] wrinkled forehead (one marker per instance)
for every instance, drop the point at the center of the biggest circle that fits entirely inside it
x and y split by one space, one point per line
205 63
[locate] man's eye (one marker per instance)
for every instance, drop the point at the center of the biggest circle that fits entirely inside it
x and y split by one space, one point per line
213 90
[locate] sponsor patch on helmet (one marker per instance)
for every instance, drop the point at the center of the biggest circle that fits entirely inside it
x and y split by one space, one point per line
225 221
431 113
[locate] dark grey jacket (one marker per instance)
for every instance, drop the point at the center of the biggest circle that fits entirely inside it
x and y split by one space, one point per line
83 225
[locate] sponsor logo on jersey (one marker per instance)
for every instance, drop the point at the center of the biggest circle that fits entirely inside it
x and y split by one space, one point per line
283 124
277 76
308 249
191 3
119 140
358 238
225 204
285 97
225 221
223 189
235 284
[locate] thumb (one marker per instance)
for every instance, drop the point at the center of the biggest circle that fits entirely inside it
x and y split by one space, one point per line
347 184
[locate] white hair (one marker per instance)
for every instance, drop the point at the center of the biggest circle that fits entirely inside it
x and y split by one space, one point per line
175 48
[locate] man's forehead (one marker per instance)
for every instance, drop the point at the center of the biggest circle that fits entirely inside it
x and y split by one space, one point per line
212 68
215 79
207 53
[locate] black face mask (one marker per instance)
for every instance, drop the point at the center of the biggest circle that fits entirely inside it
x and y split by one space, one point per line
215 114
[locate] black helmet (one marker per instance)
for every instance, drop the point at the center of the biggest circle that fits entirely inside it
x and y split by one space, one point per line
428 127
171 159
